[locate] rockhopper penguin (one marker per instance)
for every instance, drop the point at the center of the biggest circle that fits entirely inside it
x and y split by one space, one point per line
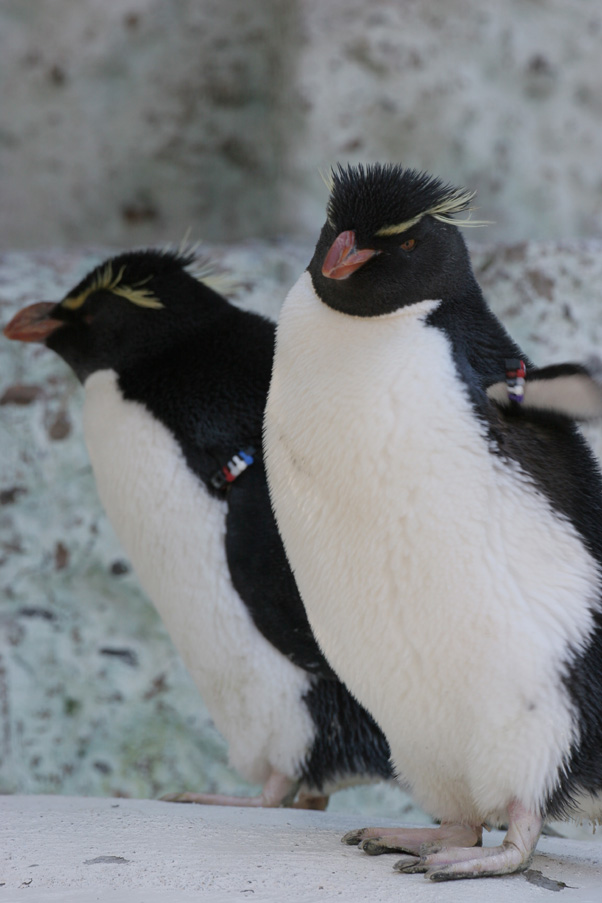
447 542
175 381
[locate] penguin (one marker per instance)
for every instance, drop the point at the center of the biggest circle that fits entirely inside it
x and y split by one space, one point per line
175 381
447 543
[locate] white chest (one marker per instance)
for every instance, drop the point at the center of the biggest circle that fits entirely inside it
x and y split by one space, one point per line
439 583
173 531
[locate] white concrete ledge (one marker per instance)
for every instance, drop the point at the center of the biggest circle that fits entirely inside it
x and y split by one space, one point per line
56 848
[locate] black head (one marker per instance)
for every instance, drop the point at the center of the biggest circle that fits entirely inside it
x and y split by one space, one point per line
390 241
124 309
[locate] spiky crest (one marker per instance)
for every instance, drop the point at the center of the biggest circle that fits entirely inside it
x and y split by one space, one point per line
104 278
382 200
327 178
128 275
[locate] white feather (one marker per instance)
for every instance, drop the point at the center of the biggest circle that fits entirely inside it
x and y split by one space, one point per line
173 532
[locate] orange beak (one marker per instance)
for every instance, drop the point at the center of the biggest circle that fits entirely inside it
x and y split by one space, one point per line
32 324
343 259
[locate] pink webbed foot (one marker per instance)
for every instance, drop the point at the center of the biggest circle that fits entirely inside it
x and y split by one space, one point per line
376 841
278 790
453 862
213 799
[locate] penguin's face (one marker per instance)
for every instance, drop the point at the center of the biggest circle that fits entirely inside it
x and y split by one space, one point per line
124 309
389 242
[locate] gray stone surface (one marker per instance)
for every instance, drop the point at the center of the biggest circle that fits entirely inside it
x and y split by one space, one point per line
93 698
79 850
134 120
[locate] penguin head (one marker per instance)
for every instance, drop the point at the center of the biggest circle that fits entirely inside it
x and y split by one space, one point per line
390 241
126 308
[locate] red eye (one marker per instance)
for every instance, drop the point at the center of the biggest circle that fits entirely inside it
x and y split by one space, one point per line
409 245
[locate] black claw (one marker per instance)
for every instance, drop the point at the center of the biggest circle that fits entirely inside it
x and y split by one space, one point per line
438 877
353 837
373 846
452 876
408 865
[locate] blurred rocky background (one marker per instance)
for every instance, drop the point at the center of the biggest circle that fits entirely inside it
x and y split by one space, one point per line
128 121
132 122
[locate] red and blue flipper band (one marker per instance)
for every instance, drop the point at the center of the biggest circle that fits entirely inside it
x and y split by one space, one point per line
237 464
515 379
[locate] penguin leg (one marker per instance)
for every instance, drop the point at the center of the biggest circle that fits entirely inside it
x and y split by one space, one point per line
514 855
375 841
278 790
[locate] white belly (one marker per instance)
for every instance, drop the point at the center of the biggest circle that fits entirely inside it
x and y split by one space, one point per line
439 583
173 531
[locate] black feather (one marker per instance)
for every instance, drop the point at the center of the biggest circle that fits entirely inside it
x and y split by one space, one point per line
369 198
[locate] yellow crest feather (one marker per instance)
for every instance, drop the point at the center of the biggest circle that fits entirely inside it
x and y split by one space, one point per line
327 178
104 280
444 211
